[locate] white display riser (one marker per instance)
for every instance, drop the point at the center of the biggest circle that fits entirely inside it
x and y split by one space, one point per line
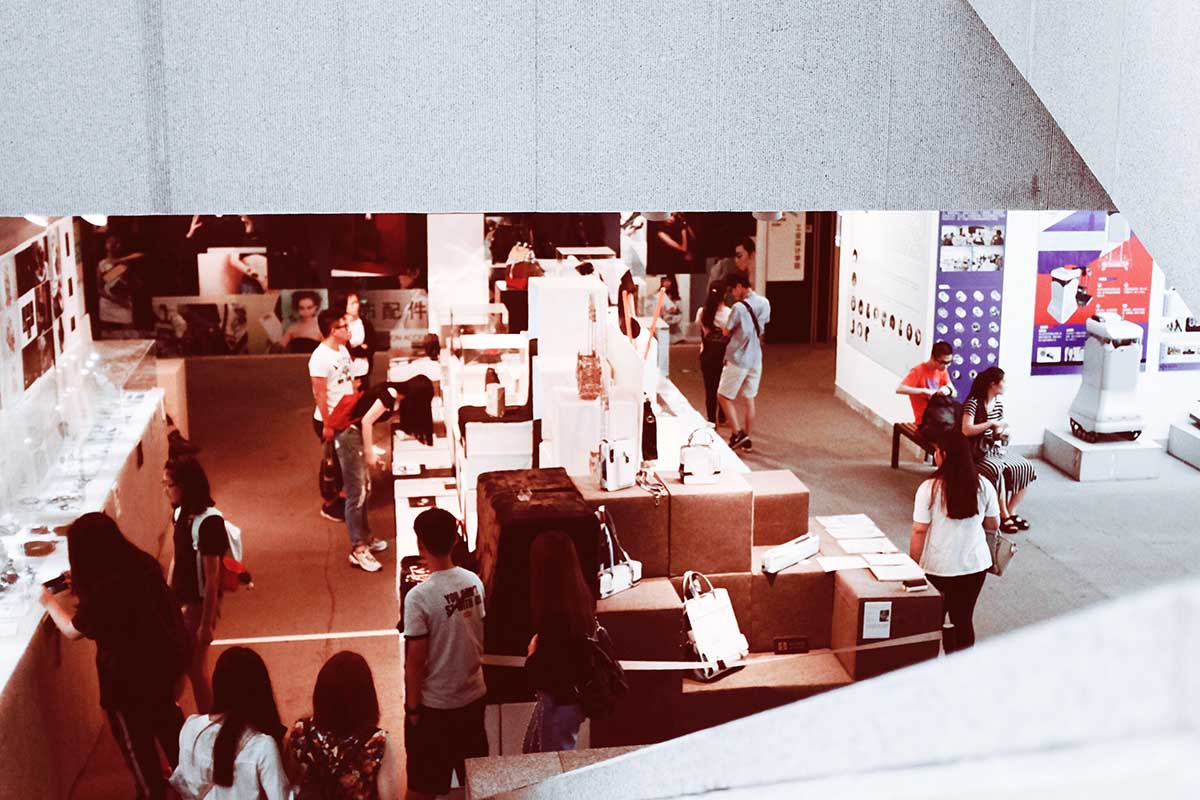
1184 443
1102 461
409 455
505 724
445 494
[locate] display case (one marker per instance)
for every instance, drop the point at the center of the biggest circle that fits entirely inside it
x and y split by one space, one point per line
468 318
507 354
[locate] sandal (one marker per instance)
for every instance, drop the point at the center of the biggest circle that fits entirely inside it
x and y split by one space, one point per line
1009 525
1021 522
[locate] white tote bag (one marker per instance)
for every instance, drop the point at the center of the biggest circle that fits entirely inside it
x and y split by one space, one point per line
713 633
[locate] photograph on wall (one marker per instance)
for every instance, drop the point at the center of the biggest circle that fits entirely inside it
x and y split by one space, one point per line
118 281
400 317
293 327
43 307
204 326
969 301
1088 262
232 270
8 282
28 318
37 358
31 266
888 296
1179 340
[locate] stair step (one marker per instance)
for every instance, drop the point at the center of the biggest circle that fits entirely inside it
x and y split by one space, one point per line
496 775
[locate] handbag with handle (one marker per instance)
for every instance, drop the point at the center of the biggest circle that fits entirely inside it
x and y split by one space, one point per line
1003 547
712 631
699 461
618 571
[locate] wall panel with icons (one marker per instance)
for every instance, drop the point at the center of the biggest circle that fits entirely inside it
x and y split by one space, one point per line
969 296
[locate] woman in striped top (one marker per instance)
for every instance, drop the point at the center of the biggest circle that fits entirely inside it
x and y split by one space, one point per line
983 422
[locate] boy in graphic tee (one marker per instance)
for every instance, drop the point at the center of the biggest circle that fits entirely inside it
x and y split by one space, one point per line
927 379
443 673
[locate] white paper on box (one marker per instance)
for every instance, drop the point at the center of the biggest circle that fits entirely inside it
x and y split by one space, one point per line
887 559
846 521
877 620
878 545
864 532
835 563
901 572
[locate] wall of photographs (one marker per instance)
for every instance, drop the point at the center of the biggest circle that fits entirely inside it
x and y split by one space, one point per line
970 291
41 308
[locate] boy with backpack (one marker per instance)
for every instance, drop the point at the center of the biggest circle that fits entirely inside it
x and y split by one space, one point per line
931 379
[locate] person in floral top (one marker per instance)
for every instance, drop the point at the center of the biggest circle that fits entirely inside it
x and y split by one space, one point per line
340 752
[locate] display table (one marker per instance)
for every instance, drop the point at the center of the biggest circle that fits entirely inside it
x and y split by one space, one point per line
50 700
1102 461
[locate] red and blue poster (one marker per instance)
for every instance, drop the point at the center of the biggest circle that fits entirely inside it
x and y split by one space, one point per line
970 290
1088 261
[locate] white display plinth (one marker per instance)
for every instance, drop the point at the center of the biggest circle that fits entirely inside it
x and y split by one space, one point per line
1103 461
1184 443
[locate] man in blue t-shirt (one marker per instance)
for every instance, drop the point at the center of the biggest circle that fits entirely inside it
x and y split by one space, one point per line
743 359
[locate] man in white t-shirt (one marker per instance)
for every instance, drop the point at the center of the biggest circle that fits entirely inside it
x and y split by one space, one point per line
330 370
443 672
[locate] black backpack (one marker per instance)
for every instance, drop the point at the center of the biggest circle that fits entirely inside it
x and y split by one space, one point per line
942 415
606 685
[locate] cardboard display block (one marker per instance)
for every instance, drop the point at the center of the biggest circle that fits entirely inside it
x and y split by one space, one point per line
780 506
795 602
910 614
644 622
710 524
738 586
643 522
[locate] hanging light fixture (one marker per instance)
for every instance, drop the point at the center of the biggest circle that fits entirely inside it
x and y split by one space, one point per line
656 216
38 219
768 216
99 220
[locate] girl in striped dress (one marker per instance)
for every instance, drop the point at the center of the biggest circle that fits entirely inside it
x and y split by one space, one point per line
983 422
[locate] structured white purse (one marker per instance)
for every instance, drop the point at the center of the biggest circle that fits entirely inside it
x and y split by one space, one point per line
779 558
699 461
615 575
712 628
616 466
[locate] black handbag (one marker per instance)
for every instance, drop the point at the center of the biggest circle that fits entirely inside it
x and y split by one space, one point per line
649 432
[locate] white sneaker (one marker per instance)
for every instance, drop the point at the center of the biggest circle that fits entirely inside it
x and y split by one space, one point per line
364 559
378 545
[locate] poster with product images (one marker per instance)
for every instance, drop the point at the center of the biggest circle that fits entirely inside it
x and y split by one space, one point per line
232 270
399 316
1088 262
969 297
1179 340
887 256
215 326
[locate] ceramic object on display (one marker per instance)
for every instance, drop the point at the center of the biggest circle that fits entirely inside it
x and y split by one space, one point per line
779 558
699 460
1106 403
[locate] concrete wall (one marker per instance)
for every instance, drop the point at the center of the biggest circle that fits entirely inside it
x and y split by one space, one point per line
1122 81
168 106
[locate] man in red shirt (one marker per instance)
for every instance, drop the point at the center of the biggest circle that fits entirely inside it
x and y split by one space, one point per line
927 379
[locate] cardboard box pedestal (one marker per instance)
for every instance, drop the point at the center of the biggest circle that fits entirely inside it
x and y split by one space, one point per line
711 524
643 522
780 506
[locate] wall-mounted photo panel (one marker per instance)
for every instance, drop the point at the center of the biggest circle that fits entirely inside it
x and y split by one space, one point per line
37 358
232 270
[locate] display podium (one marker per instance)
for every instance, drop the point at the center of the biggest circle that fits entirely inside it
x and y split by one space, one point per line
1102 461
1183 442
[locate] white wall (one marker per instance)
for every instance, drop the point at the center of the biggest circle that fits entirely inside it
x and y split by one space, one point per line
458 263
864 379
1032 403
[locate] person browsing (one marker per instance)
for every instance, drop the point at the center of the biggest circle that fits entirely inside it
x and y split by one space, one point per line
748 319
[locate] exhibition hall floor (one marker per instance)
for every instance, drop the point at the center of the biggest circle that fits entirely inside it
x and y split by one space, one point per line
250 416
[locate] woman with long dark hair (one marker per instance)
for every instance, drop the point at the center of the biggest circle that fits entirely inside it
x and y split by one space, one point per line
950 514
712 318
983 422
559 656
411 399
141 644
234 752
200 544
340 750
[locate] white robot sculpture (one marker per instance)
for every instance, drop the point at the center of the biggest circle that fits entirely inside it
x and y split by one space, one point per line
1106 403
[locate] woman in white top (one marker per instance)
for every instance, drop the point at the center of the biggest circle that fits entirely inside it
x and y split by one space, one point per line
362 341
234 752
951 512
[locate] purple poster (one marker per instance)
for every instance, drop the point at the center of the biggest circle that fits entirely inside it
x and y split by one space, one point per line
969 293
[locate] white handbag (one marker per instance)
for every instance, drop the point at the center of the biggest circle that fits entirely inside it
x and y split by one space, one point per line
615 575
699 461
616 466
713 634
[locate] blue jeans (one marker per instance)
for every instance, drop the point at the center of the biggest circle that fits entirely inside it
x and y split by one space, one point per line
357 482
552 727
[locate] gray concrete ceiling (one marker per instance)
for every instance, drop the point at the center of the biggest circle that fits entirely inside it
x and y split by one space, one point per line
160 106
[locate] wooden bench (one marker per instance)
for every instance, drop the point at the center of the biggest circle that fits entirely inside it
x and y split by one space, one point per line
909 431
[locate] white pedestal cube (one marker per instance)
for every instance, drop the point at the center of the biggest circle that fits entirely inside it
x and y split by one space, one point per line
1102 461
1184 443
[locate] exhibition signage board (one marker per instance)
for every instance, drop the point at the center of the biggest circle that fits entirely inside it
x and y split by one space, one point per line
889 286
1088 261
970 291
1179 341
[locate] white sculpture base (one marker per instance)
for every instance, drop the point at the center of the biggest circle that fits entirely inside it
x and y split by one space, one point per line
1184 443
1102 461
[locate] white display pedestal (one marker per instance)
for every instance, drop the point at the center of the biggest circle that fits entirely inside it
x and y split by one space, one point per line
1184 443
1103 461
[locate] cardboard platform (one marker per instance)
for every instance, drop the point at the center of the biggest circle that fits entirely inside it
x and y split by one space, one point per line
1103 461
643 522
780 506
1184 443
711 524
